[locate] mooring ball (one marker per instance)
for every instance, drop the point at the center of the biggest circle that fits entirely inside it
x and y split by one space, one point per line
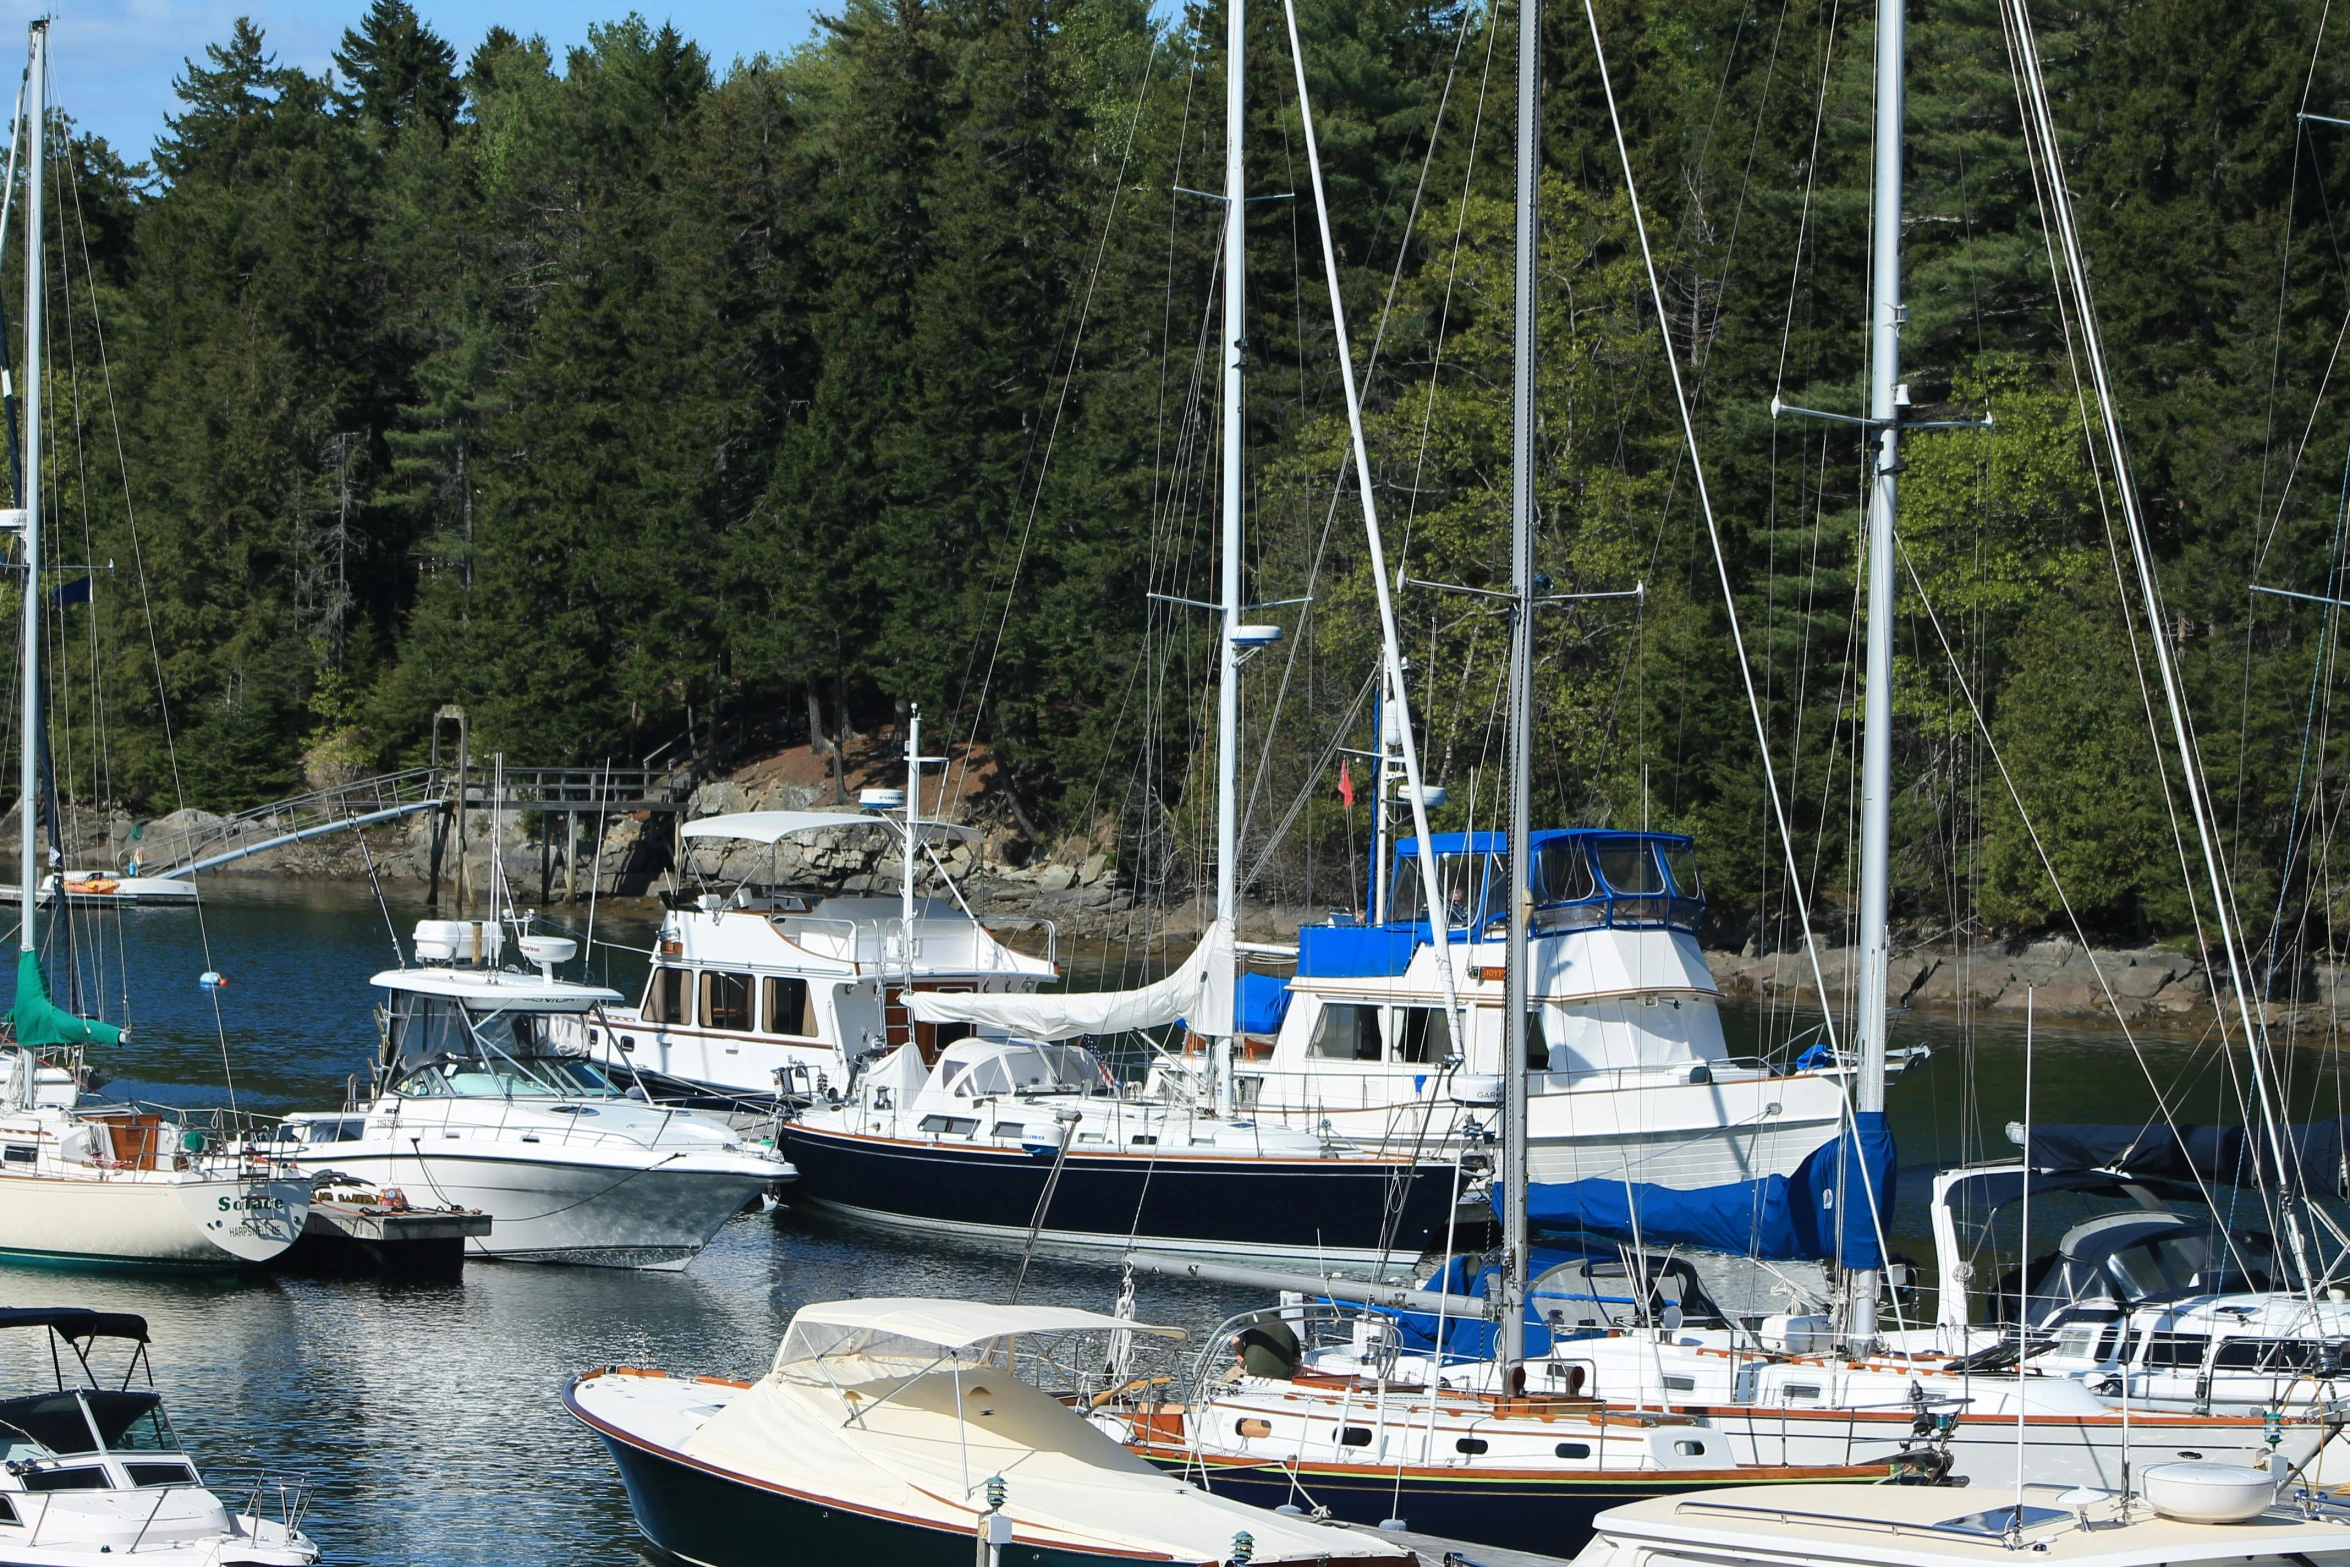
211 979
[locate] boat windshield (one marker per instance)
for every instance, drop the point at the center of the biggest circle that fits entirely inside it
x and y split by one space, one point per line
43 1424
1030 1069
510 1077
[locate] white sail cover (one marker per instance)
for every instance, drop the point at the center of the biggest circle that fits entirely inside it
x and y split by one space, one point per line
1200 992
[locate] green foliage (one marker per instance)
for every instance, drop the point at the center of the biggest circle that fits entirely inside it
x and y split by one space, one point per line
631 403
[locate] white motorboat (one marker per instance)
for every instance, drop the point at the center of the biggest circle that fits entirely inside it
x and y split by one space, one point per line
92 1473
2190 1514
107 890
1017 1139
474 1105
897 1431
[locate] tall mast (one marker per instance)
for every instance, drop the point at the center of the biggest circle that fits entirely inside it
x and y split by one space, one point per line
29 778
1521 717
1876 782
1228 678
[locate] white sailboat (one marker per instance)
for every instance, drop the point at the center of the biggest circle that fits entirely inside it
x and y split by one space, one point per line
101 1185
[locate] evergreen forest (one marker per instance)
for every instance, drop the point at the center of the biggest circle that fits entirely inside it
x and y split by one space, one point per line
650 405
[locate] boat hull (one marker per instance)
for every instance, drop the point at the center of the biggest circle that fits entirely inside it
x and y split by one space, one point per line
1307 1208
140 1219
1549 1514
641 1214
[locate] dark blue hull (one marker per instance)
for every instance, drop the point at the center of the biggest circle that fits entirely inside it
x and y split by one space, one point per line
1329 1208
1548 1514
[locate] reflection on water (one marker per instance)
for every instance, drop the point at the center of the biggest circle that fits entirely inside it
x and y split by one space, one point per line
430 1416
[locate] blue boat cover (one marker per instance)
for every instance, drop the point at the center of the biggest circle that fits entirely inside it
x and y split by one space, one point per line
1354 951
1264 1002
1820 1213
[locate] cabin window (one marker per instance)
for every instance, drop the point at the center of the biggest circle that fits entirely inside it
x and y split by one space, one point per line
75 1479
54 1420
1422 1035
726 1000
1355 1436
1573 1450
1802 1390
789 1009
1562 873
1690 1449
1475 889
1680 1384
160 1474
2176 1349
1345 1033
1681 861
665 996
1630 866
952 1125
1472 1446
22 1153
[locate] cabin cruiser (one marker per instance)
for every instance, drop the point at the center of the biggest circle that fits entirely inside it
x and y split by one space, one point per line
476 1102
1022 1139
91 1471
2153 1299
770 991
1631 1079
909 1430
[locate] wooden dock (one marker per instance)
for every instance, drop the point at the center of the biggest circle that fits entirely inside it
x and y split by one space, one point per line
346 1240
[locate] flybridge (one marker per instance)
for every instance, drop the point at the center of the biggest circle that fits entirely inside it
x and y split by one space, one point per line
1584 878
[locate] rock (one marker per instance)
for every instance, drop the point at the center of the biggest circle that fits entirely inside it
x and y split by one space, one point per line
1096 866
1057 878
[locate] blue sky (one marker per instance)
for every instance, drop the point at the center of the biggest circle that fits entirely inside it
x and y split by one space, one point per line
114 60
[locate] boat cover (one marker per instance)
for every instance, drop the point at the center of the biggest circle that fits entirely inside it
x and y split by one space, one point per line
946 1324
1823 1212
1192 993
775 826
2318 1151
922 1450
41 1022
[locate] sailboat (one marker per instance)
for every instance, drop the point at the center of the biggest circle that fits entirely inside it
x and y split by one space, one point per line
1013 1131
82 1184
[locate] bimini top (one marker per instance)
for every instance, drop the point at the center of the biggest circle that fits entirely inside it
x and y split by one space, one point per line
1584 878
77 1322
775 826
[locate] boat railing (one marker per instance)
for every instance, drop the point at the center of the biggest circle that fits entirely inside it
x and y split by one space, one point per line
1052 935
796 928
275 1496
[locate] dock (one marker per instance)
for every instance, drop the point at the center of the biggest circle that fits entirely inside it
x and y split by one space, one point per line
345 1239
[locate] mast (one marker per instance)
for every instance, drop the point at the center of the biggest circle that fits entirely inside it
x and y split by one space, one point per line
913 839
29 777
1228 672
1886 396
1521 693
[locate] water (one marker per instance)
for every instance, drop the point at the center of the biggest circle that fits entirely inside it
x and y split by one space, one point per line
431 1416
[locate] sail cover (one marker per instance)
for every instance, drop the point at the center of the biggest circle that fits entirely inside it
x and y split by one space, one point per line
1820 1213
1199 992
40 1022
2318 1152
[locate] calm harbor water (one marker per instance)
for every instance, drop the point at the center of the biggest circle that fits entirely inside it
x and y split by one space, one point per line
429 1416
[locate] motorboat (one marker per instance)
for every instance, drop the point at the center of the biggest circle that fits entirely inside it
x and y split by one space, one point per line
767 990
108 890
475 1103
1028 1140
1523 1471
91 1471
2190 1514
904 1430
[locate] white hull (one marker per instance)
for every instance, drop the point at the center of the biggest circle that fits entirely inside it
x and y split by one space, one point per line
150 1218
654 1209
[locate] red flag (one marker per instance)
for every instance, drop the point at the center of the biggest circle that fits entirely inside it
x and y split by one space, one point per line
1346 784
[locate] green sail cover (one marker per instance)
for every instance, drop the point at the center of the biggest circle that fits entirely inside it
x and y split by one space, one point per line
41 1022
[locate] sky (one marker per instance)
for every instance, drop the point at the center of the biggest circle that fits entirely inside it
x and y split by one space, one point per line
113 61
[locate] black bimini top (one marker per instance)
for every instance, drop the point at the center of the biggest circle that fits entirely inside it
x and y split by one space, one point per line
77 1322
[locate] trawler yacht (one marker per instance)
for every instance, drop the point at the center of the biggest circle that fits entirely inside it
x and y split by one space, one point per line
1631 1080
768 991
477 1103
